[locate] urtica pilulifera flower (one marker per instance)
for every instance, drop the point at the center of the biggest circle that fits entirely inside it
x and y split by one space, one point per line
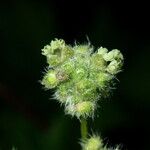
95 143
80 76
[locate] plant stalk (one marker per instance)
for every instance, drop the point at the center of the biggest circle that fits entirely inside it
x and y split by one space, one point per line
84 130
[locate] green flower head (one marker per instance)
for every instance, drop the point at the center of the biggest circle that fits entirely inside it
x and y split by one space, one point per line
96 143
80 76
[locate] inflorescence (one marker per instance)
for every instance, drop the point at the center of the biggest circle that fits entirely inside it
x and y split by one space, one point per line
80 76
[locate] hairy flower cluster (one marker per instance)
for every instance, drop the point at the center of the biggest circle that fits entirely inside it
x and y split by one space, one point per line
95 143
80 75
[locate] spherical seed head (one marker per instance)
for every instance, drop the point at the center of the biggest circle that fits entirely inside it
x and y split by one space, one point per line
93 143
96 143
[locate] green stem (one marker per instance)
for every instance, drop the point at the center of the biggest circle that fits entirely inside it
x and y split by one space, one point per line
84 130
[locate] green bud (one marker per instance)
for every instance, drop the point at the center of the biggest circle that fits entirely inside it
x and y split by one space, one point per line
114 67
102 51
57 52
79 73
86 90
64 93
81 109
83 49
103 78
53 60
96 143
83 85
97 62
55 47
50 80
84 109
58 44
80 68
93 143
68 66
115 54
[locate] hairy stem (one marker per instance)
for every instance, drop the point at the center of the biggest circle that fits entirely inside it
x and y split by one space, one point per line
84 130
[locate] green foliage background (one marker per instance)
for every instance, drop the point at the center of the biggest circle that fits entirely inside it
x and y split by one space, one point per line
28 119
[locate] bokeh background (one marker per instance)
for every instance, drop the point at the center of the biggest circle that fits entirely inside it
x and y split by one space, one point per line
29 118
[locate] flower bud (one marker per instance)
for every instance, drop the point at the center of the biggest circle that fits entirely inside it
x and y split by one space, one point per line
97 62
50 80
54 48
84 109
79 73
115 54
93 143
53 60
57 52
114 67
81 109
68 66
84 85
103 78
83 49
65 93
102 51
86 90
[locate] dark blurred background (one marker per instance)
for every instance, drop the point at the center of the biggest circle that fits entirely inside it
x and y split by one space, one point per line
29 118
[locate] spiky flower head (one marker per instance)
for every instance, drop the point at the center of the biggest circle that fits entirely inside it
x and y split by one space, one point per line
92 143
80 76
95 142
